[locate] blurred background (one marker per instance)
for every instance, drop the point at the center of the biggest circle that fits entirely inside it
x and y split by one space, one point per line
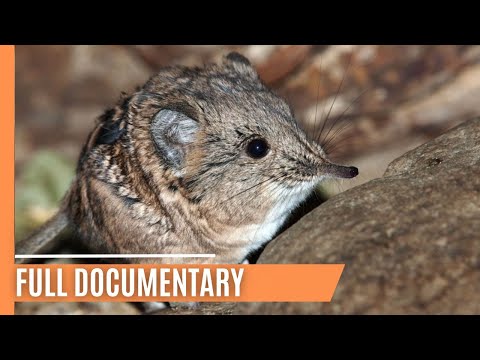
386 101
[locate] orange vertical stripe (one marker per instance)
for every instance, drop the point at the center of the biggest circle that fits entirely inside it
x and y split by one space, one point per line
7 131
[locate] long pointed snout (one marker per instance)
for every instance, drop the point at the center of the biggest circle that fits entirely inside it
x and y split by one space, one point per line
340 171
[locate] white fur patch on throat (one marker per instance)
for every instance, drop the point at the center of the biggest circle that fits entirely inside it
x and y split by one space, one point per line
261 233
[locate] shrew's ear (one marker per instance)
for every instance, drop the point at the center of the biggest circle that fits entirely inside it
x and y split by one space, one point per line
173 131
240 64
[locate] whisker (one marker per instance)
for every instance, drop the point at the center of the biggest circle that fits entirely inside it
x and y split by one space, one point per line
318 94
325 140
339 146
274 178
343 142
336 95
338 131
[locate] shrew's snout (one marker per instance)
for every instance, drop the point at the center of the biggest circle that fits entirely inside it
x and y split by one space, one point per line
345 172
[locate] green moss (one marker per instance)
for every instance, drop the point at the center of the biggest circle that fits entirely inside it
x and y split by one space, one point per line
40 187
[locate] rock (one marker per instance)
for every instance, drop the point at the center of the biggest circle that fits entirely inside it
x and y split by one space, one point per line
73 308
203 309
410 240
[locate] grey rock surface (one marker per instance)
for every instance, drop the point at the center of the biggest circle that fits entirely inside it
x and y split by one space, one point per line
410 240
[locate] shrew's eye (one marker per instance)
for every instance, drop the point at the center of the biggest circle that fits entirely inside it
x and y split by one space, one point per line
257 148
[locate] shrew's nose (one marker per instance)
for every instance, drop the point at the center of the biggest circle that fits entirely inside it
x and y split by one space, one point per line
345 172
353 171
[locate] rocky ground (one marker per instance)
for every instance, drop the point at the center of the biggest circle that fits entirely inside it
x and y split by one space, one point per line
409 238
